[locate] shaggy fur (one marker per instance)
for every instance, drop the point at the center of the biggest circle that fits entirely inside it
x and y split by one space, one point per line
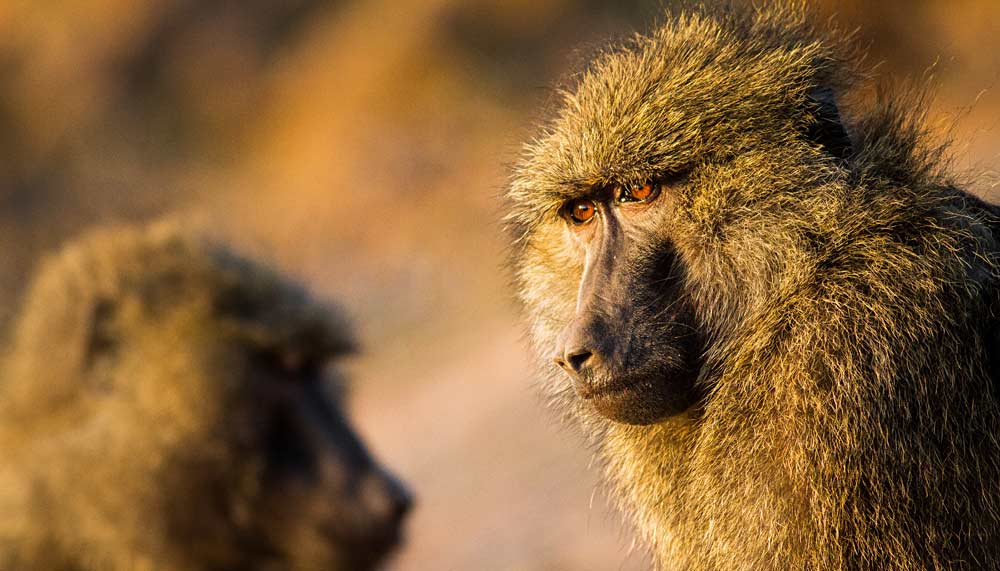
164 406
848 300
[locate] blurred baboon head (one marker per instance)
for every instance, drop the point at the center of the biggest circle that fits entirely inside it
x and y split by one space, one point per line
173 403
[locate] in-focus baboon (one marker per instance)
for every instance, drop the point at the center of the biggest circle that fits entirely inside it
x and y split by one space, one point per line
778 326
166 405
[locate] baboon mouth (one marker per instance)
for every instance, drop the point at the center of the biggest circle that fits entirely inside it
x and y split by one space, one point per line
375 541
640 400
590 390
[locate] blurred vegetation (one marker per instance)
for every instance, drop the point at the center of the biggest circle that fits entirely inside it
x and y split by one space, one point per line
113 110
106 105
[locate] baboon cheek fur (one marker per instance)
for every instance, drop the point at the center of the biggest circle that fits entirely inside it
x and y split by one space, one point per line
842 283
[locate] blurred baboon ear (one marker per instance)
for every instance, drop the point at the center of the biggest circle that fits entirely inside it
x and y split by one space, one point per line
827 129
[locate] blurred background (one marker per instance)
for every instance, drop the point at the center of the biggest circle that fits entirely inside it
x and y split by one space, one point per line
363 146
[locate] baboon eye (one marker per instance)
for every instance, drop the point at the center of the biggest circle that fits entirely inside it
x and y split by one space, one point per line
580 211
639 192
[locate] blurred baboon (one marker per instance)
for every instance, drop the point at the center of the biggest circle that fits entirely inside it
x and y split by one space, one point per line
165 405
779 327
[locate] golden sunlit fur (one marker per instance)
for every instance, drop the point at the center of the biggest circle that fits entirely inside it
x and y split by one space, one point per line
849 417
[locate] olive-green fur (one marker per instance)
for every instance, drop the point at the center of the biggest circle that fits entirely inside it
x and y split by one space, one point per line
120 403
851 411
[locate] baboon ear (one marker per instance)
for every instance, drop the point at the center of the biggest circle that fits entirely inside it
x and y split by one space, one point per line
827 130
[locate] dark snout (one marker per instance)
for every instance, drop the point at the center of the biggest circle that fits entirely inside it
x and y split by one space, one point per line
585 350
381 505
628 349
625 381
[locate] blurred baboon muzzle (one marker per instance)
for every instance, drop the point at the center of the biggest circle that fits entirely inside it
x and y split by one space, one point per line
374 526
379 501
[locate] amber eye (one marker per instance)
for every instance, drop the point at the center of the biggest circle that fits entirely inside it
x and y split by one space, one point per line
639 193
581 210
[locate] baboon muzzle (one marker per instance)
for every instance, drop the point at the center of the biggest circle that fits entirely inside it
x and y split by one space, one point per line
587 345
628 348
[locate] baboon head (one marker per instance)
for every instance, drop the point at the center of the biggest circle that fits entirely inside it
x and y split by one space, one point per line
799 311
651 215
192 414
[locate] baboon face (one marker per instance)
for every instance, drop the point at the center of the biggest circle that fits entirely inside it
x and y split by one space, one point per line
638 213
324 498
631 346
302 489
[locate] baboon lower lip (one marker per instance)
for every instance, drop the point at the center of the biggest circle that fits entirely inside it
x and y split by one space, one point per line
639 399
588 390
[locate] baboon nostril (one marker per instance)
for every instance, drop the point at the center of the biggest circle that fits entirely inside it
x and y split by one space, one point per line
576 359
573 361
